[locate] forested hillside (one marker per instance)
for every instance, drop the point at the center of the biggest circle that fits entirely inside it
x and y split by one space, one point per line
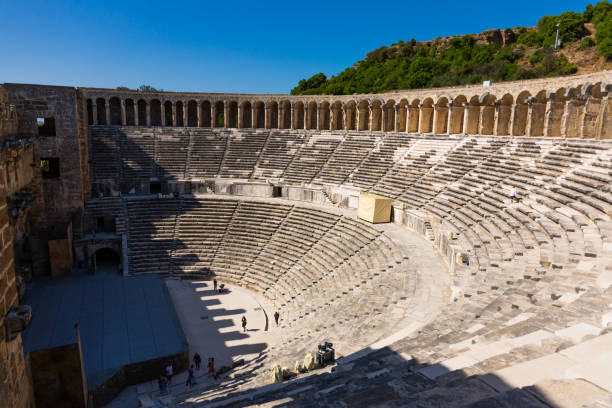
498 55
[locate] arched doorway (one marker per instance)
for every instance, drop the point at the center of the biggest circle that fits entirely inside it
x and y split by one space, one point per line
107 260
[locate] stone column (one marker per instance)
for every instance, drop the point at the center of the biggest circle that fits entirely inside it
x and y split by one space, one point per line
565 117
136 114
254 123
292 115
421 112
548 115
185 113
370 118
409 116
226 115
496 118
267 115
466 117
306 118
94 109
449 117
174 121
481 112
240 115
199 113
383 118
319 124
148 112
396 125
123 113
602 118
213 116
357 118
434 119
281 117
529 120
107 106
345 118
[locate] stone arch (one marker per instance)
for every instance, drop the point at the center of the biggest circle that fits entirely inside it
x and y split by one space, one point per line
285 120
364 115
440 124
403 115
114 105
457 115
130 114
472 116
337 116
142 112
90 116
324 118
298 115
179 117
168 113
487 114
376 115
504 115
413 116
388 116
350 110
592 109
259 119
426 121
247 117
537 114
192 113
205 114
156 113
232 119
101 108
520 114
554 113
311 120
273 112
107 257
219 119
573 112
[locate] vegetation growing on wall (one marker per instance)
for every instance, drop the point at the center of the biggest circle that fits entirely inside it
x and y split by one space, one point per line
407 65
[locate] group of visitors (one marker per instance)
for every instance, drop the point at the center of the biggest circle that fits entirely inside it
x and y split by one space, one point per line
165 379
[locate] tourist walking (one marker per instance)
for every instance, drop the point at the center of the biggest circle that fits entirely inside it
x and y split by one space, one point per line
211 366
244 323
276 316
513 195
164 385
190 377
215 284
197 360
169 371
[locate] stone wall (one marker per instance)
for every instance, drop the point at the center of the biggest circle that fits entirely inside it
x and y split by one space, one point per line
15 390
62 197
573 106
15 174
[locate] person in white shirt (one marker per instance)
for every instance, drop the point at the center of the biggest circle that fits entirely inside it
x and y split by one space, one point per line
513 196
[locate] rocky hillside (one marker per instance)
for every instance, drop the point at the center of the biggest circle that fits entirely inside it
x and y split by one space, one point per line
498 55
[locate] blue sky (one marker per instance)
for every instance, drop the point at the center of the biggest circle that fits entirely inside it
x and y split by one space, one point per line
223 46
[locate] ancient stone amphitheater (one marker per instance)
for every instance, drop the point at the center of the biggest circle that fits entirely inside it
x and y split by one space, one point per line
465 299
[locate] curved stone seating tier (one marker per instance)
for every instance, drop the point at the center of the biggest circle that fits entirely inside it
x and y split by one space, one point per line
539 275
276 155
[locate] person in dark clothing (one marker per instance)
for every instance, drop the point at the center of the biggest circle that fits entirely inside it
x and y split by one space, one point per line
211 366
197 360
244 323
215 284
276 316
